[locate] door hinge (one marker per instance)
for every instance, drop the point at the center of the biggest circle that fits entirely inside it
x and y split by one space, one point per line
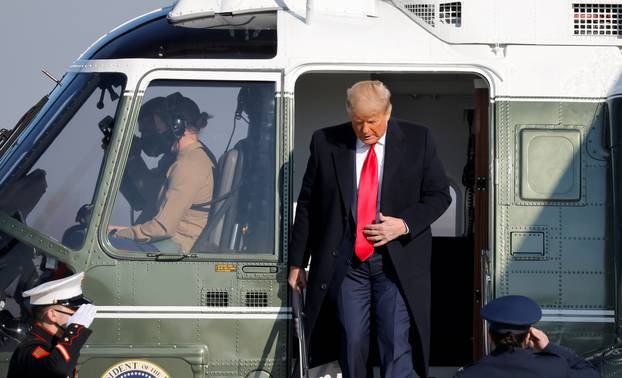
481 184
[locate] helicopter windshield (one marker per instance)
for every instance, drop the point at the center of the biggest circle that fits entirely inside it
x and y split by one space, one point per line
220 37
48 177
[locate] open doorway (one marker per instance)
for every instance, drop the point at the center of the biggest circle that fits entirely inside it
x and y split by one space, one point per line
455 107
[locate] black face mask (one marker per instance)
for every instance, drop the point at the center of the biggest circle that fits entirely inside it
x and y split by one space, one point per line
157 144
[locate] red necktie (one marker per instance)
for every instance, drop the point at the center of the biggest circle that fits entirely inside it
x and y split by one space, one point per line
366 204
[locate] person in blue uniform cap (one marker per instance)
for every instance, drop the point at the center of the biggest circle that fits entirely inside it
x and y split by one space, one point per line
520 350
61 317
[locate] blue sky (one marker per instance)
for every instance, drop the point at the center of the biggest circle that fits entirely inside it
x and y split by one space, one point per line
37 34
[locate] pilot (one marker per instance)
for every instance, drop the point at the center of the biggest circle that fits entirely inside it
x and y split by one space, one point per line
520 349
61 317
175 196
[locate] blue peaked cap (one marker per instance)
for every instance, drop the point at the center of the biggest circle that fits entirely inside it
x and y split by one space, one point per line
511 313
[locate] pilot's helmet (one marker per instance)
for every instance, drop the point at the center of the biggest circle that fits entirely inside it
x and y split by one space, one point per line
65 292
511 314
188 110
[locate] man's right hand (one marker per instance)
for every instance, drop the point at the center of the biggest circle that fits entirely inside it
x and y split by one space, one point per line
84 316
112 230
537 339
297 278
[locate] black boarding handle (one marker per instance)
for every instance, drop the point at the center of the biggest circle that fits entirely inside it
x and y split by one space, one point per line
299 317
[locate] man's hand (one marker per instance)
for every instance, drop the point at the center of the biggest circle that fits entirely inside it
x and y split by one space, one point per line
113 229
84 316
388 229
537 339
297 278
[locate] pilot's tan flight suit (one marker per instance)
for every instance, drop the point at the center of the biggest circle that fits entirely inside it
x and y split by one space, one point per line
189 181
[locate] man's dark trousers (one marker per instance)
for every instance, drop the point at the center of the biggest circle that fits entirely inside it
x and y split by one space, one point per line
369 289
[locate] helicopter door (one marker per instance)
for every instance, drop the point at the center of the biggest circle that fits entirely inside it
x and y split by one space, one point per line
456 109
479 192
552 208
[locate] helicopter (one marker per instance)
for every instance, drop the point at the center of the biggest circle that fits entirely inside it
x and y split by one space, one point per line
522 98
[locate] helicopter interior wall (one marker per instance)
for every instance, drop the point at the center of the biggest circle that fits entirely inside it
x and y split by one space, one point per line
441 102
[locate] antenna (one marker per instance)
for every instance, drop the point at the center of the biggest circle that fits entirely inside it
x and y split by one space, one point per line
46 73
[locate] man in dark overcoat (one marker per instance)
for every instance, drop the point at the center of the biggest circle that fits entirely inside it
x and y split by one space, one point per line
370 192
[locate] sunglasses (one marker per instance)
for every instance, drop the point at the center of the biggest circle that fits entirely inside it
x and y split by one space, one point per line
67 313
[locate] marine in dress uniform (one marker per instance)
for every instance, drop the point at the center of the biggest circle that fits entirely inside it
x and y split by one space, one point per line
62 317
522 351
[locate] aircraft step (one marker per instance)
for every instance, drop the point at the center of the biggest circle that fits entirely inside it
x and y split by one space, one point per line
332 370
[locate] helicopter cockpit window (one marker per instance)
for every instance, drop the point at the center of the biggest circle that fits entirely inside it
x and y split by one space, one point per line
200 175
48 180
219 37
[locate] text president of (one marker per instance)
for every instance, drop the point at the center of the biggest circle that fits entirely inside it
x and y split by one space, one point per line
363 220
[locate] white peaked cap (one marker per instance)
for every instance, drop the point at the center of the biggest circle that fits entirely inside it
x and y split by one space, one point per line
57 291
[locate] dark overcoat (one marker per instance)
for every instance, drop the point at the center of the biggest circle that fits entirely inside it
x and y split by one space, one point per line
414 188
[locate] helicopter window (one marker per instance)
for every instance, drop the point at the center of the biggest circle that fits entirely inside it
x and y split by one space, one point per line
219 37
200 176
49 179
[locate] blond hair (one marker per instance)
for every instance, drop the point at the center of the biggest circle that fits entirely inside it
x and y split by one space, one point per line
368 96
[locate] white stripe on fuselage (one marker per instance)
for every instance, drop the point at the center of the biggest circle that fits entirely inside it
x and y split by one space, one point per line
193 312
577 319
577 316
284 313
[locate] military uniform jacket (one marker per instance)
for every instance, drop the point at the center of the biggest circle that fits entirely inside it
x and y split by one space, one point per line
552 362
44 355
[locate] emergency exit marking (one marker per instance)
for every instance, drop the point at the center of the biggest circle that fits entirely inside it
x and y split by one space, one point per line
226 268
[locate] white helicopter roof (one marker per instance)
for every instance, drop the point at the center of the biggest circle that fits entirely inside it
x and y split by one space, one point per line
185 10
527 22
523 48
492 22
